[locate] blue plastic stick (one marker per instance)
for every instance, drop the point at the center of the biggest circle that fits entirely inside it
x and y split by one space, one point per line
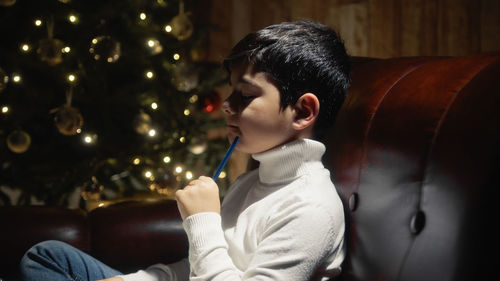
226 158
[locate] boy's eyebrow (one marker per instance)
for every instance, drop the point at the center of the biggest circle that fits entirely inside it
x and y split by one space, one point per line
244 80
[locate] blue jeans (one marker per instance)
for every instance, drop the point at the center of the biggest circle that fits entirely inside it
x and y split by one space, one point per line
58 261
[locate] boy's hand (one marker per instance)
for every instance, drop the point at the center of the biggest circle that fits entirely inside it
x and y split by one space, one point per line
201 195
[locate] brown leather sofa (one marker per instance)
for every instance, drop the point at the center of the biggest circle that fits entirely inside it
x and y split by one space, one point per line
413 153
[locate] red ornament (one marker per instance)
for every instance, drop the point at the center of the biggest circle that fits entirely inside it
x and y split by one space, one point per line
211 102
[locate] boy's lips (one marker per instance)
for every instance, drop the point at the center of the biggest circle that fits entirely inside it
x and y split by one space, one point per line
233 129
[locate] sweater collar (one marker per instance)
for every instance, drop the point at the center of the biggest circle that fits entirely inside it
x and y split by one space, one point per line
289 161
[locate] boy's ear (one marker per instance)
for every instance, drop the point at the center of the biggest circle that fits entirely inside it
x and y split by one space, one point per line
306 109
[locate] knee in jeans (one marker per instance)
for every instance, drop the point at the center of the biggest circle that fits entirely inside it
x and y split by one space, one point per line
45 248
49 246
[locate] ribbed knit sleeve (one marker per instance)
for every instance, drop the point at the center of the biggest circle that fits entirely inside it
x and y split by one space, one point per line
178 271
208 249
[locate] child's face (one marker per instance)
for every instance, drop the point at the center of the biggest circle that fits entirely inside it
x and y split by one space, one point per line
253 112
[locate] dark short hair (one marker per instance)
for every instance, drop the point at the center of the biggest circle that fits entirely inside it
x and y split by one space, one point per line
300 57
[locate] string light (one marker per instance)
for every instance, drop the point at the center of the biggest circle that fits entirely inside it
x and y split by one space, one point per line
176 56
38 22
167 159
89 139
142 16
66 49
25 48
16 78
73 18
5 109
149 74
189 175
154 105
154 46
193 99
152 133
148 174
168 28
71 78
178 169
182 139
222 175
187 112
136 161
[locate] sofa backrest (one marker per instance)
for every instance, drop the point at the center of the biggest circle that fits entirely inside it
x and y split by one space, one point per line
414 154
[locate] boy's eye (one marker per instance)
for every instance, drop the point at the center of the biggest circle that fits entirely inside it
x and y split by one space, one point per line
246 98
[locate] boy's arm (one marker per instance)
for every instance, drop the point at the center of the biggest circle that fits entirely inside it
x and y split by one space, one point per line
178 271
286 251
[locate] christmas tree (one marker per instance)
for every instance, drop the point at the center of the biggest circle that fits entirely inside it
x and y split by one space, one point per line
106 95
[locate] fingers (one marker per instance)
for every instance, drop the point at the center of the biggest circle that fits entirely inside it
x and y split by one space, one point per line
200 195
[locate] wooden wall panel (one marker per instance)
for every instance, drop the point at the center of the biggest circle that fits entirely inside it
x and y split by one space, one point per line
354 26
376 28
419 27
458 27
490 26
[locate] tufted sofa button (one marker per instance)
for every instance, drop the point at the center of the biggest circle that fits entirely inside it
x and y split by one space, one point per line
417 222
353 201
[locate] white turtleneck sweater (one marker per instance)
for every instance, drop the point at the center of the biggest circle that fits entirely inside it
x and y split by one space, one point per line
281 221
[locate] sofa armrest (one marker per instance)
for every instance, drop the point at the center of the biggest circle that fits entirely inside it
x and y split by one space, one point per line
23 227
133 235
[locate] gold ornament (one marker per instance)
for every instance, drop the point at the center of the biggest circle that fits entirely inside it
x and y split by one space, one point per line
165 183
197 146
198 54
91 190
142 123
7 3
68 120
18 141
50 51
182 27
104 48
185 77
4 79
154 46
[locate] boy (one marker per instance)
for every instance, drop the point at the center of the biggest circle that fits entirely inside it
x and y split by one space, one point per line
282 221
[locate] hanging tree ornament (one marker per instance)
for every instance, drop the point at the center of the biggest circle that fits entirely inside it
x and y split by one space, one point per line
68 120
104 48
182 27
165 183
50 49
210 102
154 46
198 53
142 123
18 141
4 79
198 146
7 3
185 76
91 190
